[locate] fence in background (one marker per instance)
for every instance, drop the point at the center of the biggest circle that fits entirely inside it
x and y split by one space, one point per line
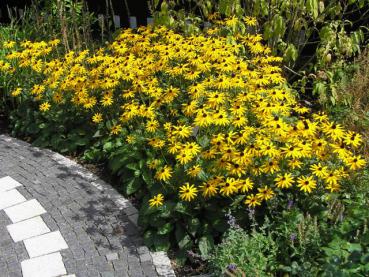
136 14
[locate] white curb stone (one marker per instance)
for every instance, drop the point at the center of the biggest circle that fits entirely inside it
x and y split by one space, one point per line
8 183
163 265
10 198
25 210
27 229
45 244
45 266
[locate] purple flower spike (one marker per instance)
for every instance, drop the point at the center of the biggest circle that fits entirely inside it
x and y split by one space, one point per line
290 204
232 267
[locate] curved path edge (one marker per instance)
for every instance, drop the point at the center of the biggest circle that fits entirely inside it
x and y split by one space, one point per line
160 259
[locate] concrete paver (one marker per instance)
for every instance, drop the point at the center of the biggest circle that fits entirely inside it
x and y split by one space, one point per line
94 229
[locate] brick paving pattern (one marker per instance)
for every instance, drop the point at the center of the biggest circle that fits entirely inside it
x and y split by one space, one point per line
96 222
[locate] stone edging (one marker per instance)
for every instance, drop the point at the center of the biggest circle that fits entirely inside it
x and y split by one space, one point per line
160 259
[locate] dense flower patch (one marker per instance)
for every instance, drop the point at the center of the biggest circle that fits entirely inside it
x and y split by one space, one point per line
214 111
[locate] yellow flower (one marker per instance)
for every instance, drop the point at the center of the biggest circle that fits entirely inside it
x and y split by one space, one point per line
187 192
164 174
130 139
355 162
319 171
245 185
45 106
250 21
116 129
353 139
182 131
97 118
332 177
252 201
152 126
157 200
9 44
306 184
229 187
156 143
335 131
209 189
284 181
16 92
265 193
153 164
295 163
107 100
184 157
194 171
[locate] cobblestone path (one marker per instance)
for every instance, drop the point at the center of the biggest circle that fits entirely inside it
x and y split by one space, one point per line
58 219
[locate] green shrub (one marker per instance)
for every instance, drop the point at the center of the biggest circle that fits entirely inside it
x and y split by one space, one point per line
254 254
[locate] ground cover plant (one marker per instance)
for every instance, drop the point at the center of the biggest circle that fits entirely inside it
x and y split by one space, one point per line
194 126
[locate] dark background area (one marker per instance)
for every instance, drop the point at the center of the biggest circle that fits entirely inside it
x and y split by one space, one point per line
137 8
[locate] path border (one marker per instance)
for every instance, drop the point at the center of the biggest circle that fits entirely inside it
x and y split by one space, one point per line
160 259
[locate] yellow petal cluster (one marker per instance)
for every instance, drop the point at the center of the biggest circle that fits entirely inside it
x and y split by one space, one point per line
203 104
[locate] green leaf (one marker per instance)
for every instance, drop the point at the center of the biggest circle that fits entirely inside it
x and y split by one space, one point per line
290 53
81 141
165 229
108 146
319 88
354 247
185 242
146 176
148 238
182 208
133 166
166 209
161 243
116 163
206 244
132 186
312 6
97 134
279 26
193 226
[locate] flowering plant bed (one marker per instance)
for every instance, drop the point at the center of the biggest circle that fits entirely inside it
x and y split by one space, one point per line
194 126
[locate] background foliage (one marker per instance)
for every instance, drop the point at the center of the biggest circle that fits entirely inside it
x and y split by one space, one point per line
321 43
315 37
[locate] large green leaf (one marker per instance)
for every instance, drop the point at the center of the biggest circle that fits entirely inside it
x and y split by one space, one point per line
182 208
165 229
206 245
116 163
132 186
185 242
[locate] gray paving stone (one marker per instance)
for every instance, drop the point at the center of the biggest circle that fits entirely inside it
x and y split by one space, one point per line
96 222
